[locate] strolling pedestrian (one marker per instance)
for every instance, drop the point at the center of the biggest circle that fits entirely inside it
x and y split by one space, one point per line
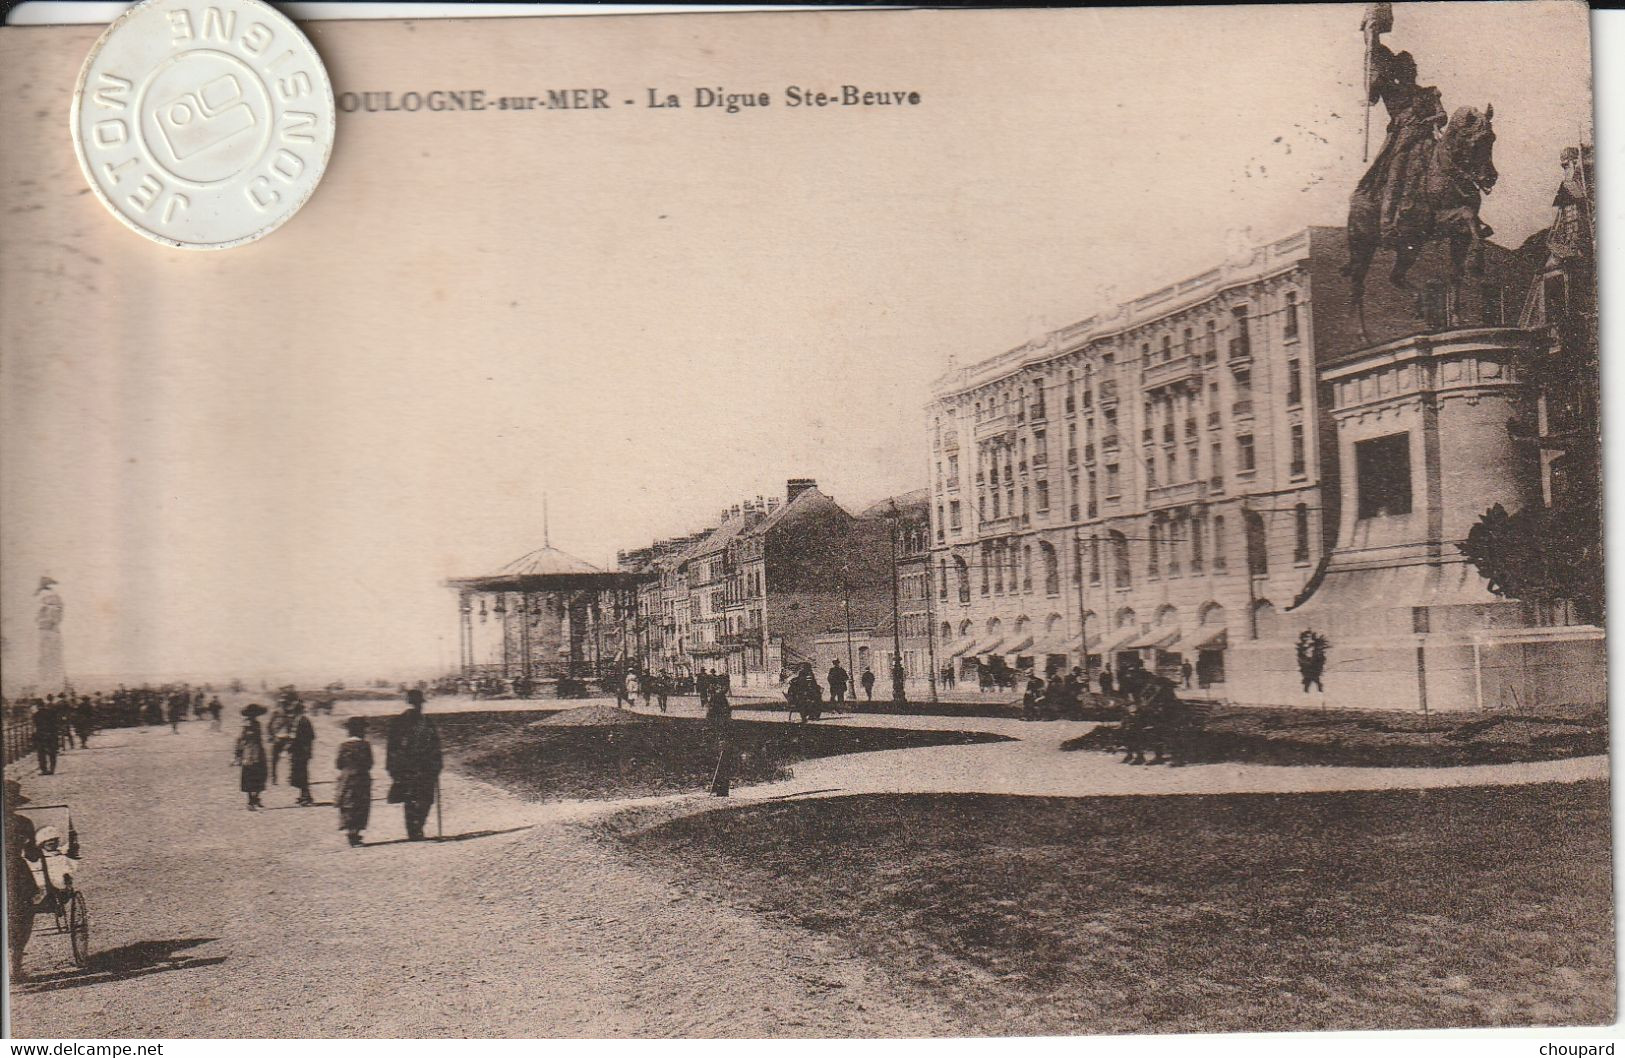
1055 697
719 719
300 749
84 720
280 730
21 889
837 682
663 688
1106 681
249 755
412 758
214 713
45 736
897 677
868 682
1072 691
352 789
64 720
177 712
806 698
1185 672
1032 700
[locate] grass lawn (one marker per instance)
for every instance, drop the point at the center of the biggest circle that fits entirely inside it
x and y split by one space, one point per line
665 755
1474 906
1364 738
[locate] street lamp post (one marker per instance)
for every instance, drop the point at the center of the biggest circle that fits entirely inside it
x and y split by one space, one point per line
931 621
898 692
1083 609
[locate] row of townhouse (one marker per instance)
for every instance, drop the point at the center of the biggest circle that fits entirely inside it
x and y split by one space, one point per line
750 595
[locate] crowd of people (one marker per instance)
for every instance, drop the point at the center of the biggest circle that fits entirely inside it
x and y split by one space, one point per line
65 720
1153 716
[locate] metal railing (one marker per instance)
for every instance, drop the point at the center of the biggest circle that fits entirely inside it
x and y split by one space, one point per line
19 733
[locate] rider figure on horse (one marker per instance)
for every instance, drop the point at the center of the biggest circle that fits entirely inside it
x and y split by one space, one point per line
1397 174
1428 178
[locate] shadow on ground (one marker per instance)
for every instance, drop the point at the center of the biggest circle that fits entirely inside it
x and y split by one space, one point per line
122 963
469 836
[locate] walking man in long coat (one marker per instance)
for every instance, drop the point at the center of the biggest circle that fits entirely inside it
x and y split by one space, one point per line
837 682
46 735
300 750
719 718
412 759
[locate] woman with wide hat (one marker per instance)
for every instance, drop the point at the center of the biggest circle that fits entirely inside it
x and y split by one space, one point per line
250 755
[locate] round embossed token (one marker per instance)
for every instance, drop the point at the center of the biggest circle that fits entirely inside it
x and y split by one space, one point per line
203 124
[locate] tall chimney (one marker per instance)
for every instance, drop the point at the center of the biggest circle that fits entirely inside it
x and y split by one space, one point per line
796 486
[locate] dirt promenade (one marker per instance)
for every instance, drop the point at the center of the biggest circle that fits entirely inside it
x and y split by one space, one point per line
211 921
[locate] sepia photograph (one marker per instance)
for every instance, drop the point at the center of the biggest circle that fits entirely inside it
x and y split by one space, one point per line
802 524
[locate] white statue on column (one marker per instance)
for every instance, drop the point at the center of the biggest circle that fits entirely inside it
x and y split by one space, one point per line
53 675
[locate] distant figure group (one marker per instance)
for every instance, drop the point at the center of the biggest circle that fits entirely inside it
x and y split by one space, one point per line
55 722
1155 718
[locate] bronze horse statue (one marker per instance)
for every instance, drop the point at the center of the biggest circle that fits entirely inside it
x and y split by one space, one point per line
1456 170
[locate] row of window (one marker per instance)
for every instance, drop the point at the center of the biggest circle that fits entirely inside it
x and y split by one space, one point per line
1007 567
1026 400
1001 463
993 504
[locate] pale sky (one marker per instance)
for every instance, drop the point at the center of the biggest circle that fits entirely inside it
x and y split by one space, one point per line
268 458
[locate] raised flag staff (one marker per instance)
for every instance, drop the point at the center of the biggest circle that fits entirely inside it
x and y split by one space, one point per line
1379 19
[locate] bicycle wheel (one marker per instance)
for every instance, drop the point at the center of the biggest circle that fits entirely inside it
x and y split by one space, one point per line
79 930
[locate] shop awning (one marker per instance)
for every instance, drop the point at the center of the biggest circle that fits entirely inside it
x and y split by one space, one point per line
1048 645
1119 640
1156 639
1211 638
1020 647
1095 639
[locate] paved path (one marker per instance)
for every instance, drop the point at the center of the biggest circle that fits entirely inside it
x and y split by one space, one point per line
1035 765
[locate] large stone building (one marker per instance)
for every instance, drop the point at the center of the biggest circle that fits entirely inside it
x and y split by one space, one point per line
1179 478
902 624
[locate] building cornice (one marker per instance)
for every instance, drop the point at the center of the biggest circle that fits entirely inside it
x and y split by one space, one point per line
1262 262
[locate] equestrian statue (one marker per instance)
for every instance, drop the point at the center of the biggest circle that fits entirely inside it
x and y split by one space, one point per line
1428 178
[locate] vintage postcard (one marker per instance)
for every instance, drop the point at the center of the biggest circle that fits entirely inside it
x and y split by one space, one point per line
803 524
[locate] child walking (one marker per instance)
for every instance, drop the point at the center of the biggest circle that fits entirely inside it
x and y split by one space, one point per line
353 787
